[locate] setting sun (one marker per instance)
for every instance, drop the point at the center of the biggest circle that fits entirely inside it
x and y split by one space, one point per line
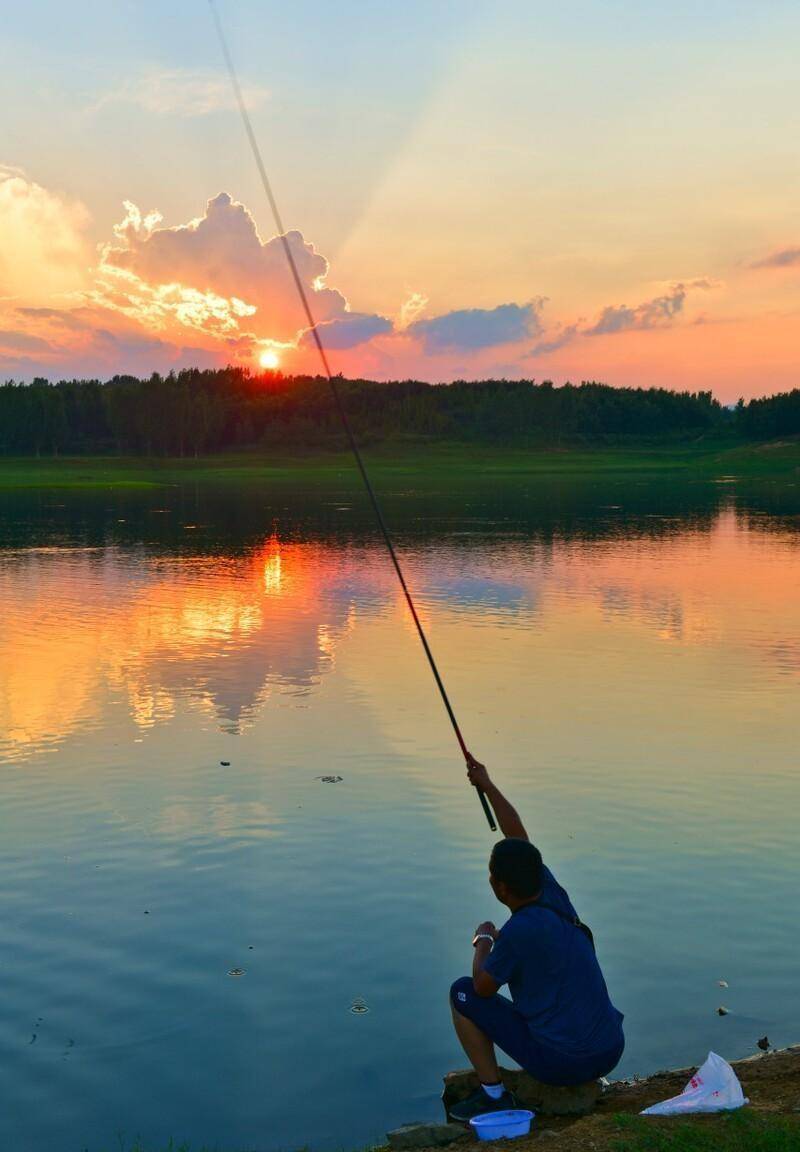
269 359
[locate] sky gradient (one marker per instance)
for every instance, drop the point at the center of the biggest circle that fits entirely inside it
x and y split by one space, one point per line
610 191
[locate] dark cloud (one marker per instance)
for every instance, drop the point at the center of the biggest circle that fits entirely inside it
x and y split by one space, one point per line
349 330
655 313
23 342
563 336
659 312
475 328
784 258
64 318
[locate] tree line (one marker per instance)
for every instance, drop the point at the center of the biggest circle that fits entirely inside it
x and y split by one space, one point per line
195 412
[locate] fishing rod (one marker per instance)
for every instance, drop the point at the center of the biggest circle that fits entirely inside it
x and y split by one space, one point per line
290 260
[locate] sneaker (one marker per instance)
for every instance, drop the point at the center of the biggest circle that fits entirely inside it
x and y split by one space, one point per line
478 1103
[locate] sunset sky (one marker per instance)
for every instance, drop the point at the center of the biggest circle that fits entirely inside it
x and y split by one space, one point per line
585 191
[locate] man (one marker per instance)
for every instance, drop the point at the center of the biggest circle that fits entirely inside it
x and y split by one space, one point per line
559 1025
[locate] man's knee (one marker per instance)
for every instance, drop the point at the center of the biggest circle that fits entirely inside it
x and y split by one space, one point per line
461 991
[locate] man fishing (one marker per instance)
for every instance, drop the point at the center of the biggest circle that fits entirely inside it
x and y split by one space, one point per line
559 1025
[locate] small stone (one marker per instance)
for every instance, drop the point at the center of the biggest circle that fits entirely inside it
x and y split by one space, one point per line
723 1011
763 1043
426 1136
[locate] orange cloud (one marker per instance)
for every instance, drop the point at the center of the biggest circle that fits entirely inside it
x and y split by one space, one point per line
220 256
43 245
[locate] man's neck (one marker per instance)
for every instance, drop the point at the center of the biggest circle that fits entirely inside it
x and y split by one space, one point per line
515 904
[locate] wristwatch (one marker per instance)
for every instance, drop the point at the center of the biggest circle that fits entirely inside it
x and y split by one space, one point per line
481 936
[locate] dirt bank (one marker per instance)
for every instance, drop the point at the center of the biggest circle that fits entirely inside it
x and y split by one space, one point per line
770 1081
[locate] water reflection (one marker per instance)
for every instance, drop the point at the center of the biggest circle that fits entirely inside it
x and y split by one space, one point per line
221 633
86 629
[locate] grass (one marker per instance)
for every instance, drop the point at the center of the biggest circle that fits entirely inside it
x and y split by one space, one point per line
728 1132
438 463
735 1132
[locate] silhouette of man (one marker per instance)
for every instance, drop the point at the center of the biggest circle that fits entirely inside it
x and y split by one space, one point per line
559 1025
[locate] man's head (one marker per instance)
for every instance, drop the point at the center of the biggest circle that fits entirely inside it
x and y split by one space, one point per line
515 871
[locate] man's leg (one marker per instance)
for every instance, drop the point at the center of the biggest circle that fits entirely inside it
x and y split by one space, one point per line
480 1022
477 1046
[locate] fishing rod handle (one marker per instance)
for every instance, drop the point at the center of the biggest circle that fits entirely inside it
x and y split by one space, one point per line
487 810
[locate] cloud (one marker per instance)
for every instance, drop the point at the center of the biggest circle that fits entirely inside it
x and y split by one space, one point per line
562 336
348 331
219 255
475 328
43 246
658 312
181 92
62 318
783 258
94 342
23 342
412 309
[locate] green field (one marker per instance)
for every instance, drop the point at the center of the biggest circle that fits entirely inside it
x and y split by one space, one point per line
435 463
737 1132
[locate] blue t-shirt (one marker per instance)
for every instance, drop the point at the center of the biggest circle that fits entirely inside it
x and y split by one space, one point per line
554 977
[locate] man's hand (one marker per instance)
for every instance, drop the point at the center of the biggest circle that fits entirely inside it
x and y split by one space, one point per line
507 818
477 774
486 929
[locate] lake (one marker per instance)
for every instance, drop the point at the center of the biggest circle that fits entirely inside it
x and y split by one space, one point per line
180 667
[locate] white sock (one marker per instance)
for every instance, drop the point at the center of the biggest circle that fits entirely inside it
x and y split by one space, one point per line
494 1091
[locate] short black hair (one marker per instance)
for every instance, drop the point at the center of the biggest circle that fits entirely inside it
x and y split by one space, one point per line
518 863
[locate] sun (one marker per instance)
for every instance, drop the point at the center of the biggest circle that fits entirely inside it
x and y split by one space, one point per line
269 359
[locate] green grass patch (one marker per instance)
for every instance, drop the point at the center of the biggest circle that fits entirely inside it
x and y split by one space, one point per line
731 1132
425 465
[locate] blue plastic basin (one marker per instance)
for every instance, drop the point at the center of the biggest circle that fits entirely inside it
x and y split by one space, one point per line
502 1125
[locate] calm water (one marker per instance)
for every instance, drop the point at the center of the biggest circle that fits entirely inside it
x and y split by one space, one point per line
626 658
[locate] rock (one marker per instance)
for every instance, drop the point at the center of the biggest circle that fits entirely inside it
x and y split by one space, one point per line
763 1043
577 1100
426 1135
723 1011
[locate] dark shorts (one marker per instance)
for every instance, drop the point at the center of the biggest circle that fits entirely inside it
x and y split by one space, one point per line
497 1017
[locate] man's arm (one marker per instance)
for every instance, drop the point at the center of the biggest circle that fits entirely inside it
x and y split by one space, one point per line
507 816
482 982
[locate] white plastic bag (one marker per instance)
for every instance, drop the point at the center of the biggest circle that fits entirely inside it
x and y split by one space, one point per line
713 1088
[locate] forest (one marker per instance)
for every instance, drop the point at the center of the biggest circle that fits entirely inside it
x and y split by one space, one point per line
193 412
